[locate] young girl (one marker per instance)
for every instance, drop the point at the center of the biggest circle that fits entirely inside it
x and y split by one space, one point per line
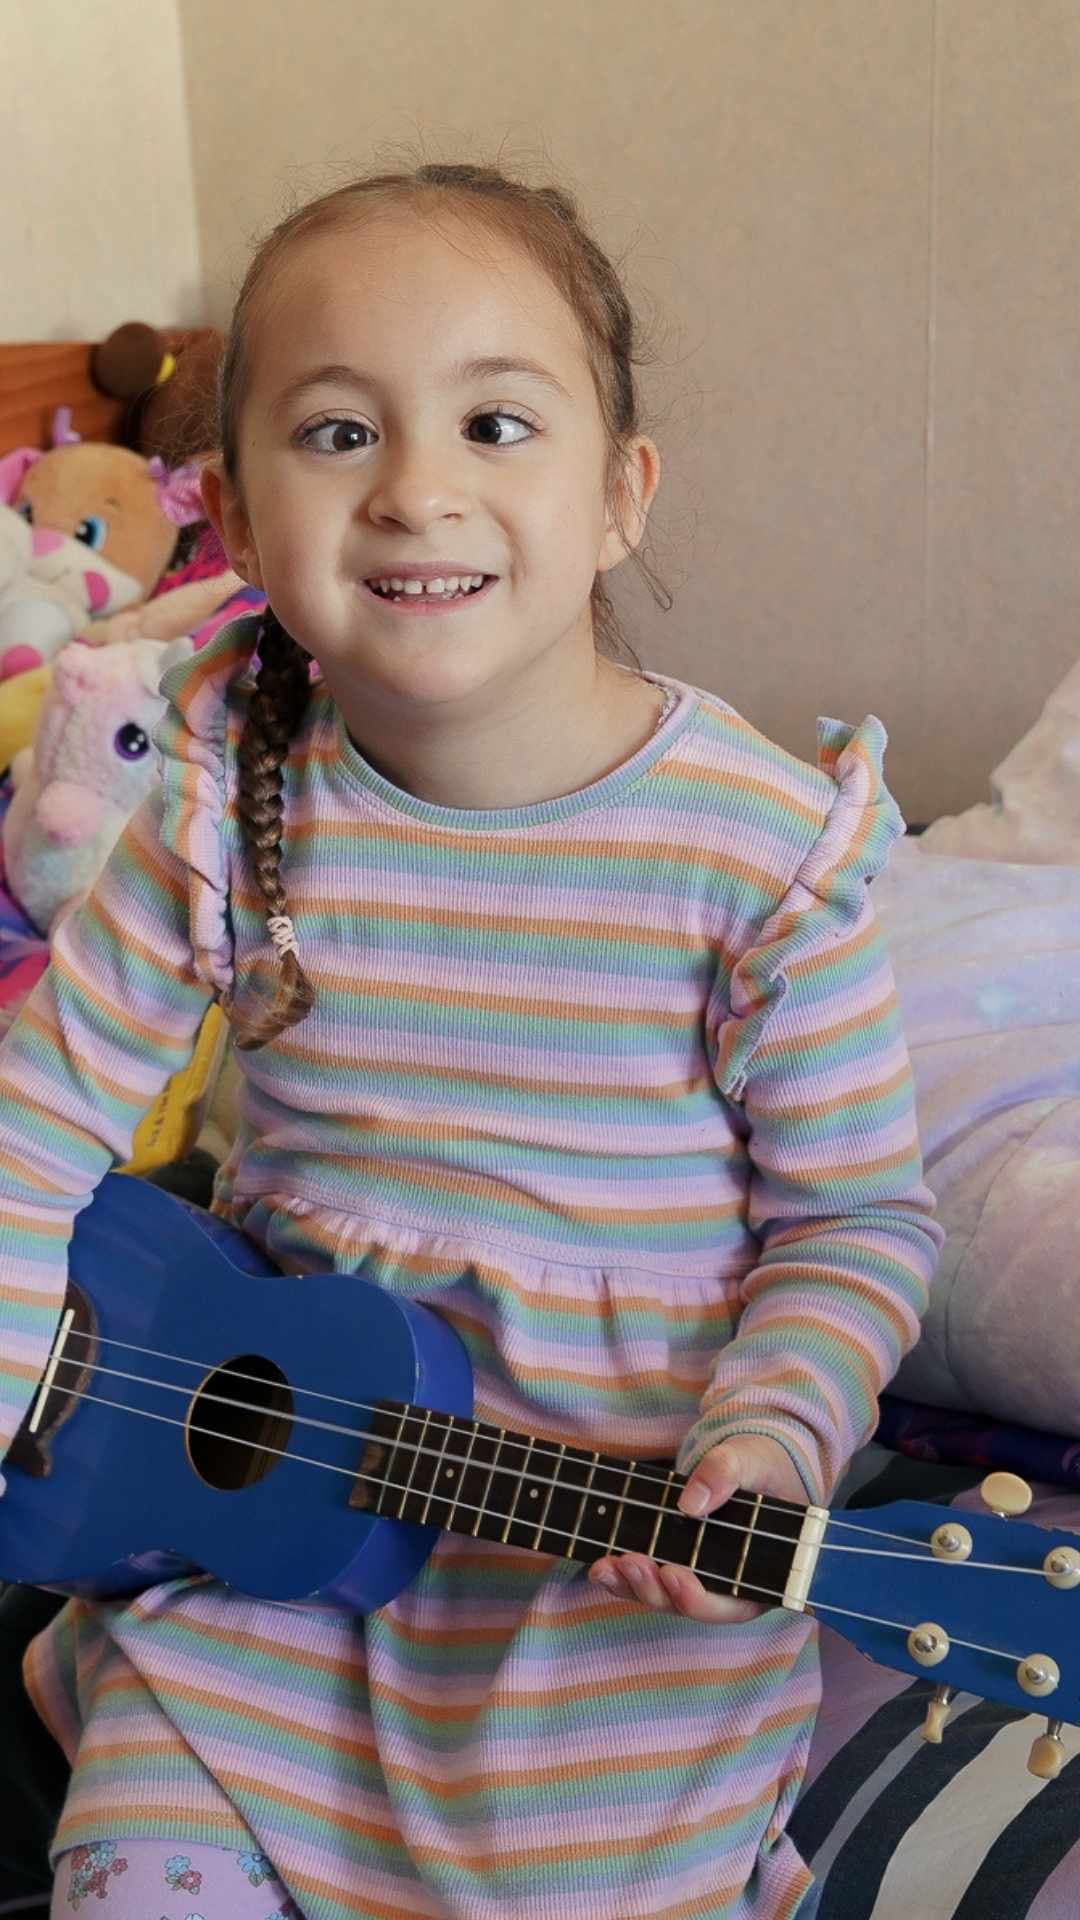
561 1008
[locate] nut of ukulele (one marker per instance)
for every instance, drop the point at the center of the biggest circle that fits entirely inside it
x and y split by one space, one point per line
1006 1494
1047 1752
937 1712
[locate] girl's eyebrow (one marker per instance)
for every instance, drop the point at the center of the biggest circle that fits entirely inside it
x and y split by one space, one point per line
486 367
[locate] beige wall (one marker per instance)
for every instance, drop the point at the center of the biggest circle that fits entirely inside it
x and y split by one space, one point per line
856 220
97 221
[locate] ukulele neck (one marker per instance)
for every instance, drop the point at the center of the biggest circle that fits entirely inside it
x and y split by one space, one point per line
470 1477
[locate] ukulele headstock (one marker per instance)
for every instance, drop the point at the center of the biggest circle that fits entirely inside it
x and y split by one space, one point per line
983 1602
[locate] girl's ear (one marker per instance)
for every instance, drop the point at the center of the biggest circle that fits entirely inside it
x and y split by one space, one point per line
636 488
225 512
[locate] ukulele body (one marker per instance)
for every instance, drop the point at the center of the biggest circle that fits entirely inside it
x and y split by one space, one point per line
163 1275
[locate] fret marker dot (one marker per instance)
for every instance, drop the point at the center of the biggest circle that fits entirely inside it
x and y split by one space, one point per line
449 1473
533 1491
601 1510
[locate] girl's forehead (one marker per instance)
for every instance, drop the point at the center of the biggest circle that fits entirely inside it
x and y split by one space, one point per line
402 285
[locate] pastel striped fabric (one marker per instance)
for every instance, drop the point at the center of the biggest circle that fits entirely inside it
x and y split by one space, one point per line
616 1083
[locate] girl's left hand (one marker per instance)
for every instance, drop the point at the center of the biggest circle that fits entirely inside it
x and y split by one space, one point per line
749 1461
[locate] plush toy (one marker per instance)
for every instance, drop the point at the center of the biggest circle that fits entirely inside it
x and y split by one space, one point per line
100 527
91 764
51 586
171 391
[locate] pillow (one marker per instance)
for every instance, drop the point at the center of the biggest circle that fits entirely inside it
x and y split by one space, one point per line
987 962
1035 813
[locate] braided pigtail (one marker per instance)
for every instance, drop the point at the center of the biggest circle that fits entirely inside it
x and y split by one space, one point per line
277 708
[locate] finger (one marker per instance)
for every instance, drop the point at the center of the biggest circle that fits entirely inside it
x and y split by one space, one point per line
635 1578
689 1597
714 1480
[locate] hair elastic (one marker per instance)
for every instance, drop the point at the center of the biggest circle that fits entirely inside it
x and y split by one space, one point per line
282 933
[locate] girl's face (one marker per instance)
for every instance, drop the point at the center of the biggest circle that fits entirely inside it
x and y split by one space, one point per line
374 437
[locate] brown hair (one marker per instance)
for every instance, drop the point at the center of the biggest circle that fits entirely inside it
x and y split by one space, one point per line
545 222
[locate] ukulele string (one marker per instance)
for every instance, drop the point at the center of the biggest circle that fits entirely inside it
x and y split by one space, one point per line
327 1466
641 1468
519 1473
366 1406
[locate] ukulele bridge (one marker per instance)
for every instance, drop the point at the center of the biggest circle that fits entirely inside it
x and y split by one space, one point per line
30 1448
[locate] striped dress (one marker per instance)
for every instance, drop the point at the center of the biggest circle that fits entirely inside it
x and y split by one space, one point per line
616 1083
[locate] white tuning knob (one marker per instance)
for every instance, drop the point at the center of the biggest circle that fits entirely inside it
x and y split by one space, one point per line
1038 1674
1047 1753
1062 1567
1006 1494
951 1542
928 1644
937 1712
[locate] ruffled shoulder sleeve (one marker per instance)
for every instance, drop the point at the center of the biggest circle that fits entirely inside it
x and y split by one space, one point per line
825 899
203 692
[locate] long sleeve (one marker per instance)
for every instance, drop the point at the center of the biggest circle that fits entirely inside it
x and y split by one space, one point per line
810 1051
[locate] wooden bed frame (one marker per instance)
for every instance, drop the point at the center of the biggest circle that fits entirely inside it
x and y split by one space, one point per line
36 377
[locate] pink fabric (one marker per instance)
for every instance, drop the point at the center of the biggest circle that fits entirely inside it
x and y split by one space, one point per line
134 1879
19 660
13 468
97 591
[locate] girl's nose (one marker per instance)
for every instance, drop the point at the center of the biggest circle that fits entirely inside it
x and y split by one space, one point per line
413 487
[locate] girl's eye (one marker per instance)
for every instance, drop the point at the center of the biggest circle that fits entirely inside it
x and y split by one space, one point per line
334 436
92 531
502 414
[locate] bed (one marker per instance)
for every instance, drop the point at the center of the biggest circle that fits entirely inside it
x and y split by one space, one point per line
895 1829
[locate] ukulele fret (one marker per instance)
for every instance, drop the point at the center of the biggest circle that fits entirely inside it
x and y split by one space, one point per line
434 1468
620 1508
406 1490
391 1464
512 1515
480 1511
465 1465
553 1483
741 1567
572 1547
651 1548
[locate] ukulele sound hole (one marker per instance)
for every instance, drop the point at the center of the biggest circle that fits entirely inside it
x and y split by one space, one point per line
234 1440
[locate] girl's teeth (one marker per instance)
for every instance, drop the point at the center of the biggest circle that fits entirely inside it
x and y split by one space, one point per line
453 584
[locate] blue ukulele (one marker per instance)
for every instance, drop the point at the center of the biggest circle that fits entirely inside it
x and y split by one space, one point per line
305 1438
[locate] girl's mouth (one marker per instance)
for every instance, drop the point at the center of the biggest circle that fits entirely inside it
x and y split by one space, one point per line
417 598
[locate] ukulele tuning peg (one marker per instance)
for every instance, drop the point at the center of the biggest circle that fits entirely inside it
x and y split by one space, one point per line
951 1542
1047 1752
928 1644
937 1712
1038 1674
1006 1494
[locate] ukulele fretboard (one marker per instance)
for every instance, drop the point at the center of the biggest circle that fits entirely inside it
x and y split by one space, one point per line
471 1477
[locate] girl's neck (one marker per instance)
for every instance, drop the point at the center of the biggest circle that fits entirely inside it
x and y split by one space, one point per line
494 759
